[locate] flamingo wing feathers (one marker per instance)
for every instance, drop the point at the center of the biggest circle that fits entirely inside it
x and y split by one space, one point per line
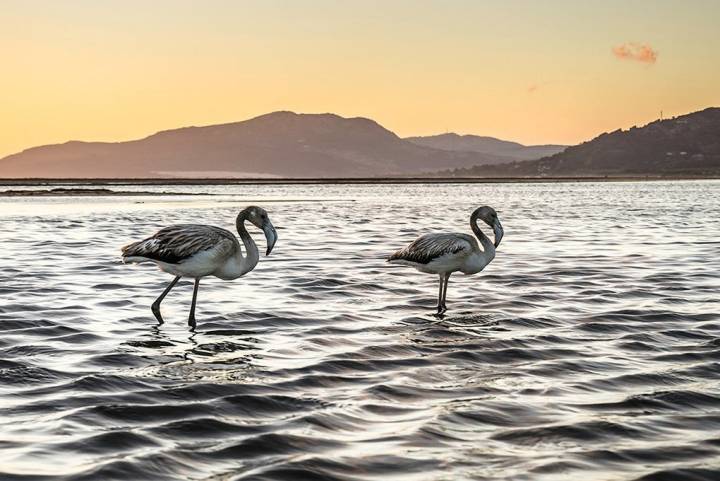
177 243
429 247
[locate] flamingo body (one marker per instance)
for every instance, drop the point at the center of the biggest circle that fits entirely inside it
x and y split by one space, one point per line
191 250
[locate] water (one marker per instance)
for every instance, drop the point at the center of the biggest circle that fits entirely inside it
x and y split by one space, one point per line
589 349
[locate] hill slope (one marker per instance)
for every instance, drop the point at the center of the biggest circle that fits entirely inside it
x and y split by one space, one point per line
684 145
279 144
487 145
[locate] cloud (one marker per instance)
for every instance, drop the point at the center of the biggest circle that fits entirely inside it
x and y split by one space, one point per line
635 51
536 86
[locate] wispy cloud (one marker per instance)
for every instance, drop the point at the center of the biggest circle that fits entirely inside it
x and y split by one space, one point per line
635 51
536 86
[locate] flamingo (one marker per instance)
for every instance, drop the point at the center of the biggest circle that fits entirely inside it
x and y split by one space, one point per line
197 251
443 254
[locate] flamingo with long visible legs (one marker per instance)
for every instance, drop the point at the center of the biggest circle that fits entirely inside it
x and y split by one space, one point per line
197 251
444 254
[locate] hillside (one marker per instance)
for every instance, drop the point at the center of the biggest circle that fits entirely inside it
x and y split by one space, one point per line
502 149
279 144
684 145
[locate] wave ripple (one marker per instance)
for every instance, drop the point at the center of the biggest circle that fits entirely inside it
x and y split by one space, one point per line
589 349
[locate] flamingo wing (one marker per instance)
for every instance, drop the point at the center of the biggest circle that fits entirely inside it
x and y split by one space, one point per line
178 243
429 247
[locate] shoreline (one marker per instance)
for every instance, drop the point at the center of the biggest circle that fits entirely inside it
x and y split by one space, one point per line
301 181
81 192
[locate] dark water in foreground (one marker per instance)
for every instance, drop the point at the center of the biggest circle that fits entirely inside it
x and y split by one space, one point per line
589 349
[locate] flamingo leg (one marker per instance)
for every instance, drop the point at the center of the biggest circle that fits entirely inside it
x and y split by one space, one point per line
156 305
440 309
444 293
191 318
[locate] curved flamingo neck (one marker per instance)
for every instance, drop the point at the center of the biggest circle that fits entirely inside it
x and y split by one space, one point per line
251 251
485 241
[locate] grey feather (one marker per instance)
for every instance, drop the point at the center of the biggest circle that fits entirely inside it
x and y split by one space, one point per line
177 243
429 247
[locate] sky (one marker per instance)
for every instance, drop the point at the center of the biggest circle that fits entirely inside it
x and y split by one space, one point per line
554 71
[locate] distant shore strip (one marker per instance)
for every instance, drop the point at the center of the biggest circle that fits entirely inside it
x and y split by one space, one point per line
35 182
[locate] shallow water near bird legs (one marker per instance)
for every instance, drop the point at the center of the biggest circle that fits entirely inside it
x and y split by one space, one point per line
589 347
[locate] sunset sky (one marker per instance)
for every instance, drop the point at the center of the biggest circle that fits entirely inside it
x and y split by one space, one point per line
536 72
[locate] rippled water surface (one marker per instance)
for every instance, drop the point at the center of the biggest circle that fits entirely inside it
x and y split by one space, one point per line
589 349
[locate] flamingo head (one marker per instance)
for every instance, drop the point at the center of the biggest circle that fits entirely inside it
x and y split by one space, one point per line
260 219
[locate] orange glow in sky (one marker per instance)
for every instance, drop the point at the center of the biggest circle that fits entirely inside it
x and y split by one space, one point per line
536 72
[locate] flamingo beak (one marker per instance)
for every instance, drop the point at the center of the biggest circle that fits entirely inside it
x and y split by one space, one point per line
270 236
498 231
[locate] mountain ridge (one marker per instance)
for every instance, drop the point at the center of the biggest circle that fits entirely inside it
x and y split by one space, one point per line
687 144
491 145
276 144
285 144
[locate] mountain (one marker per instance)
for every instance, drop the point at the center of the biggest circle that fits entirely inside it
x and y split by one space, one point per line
488 145
684 145
279 144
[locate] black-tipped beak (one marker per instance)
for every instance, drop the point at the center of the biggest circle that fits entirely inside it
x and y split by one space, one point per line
498 231
270 236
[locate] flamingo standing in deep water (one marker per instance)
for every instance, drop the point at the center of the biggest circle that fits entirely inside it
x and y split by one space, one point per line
443 254
193 250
